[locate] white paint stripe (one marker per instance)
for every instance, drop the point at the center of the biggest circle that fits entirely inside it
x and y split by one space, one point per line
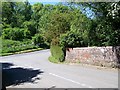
82 84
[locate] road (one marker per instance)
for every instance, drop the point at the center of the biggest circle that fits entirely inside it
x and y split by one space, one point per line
33 70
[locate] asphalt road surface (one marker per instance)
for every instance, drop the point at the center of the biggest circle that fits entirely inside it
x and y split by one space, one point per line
33 70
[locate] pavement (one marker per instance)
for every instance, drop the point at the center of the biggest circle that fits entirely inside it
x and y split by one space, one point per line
33 70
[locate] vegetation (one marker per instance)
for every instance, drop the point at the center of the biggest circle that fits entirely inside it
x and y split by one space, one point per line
59 26
104 27
11 46
57 53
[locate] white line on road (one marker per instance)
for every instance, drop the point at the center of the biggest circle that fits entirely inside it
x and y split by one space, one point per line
82 84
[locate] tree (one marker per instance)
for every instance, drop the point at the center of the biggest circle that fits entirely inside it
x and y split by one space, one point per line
15 13
52 25
7 12
30 26
38 40
13 33
37 13
106 21
58 24
27 10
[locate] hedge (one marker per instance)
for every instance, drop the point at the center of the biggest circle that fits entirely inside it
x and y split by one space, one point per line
57 53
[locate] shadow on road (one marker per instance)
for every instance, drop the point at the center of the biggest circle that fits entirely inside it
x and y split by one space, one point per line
16 76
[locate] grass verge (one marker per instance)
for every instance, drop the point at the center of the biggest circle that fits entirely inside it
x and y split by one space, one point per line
53 60
20 52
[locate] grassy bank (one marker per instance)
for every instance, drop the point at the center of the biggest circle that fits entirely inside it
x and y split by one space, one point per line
10 47
53 60
20 52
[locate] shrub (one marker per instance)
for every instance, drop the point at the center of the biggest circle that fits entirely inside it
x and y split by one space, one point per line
30 26
39 41
13 33
27 34
10 46
72 39
52 59
16 33
57 53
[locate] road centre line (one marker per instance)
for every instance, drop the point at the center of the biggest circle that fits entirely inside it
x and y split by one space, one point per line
82 84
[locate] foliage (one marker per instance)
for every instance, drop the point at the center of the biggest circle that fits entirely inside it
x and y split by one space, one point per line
56 25
9 46
27 10
27 34
7 12
108 27
15 13
104 28
37 14
72 39
57 53
30 26
53 60
15 34
78 34
38 40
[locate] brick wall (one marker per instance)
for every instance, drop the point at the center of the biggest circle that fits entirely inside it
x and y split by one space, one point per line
102 56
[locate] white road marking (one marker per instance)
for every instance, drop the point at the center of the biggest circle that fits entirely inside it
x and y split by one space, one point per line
82 84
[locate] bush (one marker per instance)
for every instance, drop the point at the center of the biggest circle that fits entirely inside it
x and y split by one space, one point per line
27 34
16 33
52 59
10 46
30 26
57 53
39 41
72 39
13 33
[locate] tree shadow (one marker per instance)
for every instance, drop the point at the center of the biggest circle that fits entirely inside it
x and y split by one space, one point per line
16 76
6 65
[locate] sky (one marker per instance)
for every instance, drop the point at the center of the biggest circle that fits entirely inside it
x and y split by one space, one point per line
53 2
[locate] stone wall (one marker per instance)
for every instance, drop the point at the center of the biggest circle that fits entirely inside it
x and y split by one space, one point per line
102 56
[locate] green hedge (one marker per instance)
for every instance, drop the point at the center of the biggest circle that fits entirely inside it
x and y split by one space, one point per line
17 34
11 46
57 53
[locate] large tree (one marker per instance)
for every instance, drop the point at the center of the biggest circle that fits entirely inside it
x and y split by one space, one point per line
57 25
15 13
7 12
105 28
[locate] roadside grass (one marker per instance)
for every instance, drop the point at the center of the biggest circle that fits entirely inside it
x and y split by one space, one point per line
56 61
53 60
57 53
20 52
10 47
